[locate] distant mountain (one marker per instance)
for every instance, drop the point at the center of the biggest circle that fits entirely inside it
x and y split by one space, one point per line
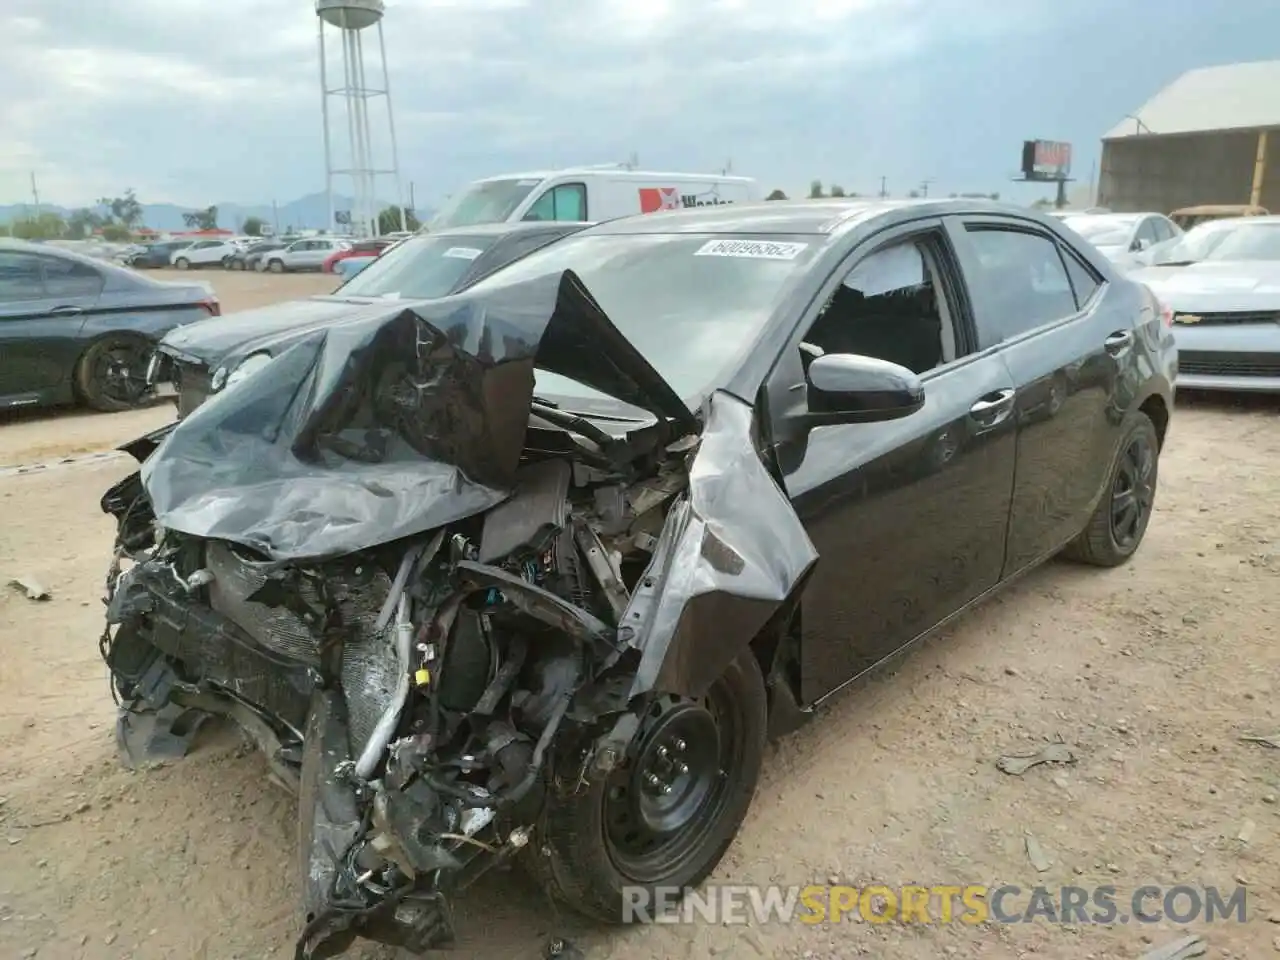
306 212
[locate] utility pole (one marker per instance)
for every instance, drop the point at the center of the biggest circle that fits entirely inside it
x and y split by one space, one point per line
924 186
884 189
275 219
413 206
35 192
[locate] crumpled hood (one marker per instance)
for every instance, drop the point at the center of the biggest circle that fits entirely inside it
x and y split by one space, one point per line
1215 287
210 341
389 423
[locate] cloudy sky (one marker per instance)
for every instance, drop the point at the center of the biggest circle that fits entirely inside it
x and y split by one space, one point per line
207 101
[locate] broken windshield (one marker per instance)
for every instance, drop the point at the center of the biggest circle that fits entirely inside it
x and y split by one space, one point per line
420 268
690 304
488 201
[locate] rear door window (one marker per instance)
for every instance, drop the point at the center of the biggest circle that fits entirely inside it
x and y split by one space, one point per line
20 277
1024 278
65 279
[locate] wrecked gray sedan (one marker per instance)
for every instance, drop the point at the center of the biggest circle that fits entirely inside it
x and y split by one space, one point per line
527 572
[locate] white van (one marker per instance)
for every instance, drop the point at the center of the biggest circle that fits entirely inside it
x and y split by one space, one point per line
588 194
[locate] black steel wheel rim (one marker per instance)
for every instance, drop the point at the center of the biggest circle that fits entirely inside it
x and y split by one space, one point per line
661 808
120 371
1133 492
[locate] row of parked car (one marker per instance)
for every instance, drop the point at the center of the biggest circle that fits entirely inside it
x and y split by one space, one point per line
276 255
1220 278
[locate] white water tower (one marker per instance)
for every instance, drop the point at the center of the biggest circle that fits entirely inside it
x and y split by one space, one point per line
351 19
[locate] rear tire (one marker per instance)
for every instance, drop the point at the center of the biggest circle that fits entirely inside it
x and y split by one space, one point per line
111 375
182 263
625 831
276 266
1119 523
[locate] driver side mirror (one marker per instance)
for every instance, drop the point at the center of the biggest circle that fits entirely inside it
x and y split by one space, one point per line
849 388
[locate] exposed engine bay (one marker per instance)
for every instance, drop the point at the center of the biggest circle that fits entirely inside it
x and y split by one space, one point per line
429 688
436 674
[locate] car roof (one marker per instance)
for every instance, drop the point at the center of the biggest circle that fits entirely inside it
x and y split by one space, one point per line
828 216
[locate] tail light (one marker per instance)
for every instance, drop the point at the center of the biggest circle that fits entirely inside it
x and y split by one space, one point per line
213 306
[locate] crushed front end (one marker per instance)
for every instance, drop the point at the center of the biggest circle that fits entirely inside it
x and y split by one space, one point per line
435 637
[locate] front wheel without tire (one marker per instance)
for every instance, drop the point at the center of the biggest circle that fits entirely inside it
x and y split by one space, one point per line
1120 520
666 816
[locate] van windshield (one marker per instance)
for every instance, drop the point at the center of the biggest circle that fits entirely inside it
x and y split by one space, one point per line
489 201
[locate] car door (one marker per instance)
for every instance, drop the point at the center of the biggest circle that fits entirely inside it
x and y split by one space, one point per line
909 517
43 304
1047 313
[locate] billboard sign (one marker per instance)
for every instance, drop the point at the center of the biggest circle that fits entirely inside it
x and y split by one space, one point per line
1046 160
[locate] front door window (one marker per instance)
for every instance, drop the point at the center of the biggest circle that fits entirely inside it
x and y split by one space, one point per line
567 202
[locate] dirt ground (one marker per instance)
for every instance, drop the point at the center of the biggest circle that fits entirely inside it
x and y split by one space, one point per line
1150 674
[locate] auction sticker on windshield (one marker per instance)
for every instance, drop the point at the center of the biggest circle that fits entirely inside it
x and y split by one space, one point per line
751 249
462 253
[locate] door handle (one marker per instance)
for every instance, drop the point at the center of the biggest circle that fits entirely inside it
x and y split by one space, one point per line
65 311
993 407
1118 342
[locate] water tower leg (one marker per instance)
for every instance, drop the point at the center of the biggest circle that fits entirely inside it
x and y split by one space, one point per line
391 123
324 114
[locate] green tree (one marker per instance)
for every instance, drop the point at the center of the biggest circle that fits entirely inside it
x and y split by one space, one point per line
913 194
776 195
206 219
84 222
815 190
389 220
837 190
124 210
42 226
116 233
253 226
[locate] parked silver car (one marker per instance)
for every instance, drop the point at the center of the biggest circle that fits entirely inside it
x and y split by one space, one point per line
1122 237
1222 283
307 254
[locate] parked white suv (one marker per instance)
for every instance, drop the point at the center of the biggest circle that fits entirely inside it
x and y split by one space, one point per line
203 253
307 254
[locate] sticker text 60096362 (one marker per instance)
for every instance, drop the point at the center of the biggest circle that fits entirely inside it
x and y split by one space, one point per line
751 249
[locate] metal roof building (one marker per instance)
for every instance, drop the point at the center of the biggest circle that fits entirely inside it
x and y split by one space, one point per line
1210 137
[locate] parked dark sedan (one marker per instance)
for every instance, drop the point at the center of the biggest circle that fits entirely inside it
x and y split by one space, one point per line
251 256
201 360
535 569
155 256
74 328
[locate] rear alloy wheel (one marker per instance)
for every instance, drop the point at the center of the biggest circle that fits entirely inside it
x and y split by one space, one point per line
182 263
236 264
276 266
666 816
112 373
1120 520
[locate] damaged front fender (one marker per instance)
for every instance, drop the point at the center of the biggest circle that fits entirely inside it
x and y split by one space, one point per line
731 555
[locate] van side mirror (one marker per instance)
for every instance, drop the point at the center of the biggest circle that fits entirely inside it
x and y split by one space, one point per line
849 388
